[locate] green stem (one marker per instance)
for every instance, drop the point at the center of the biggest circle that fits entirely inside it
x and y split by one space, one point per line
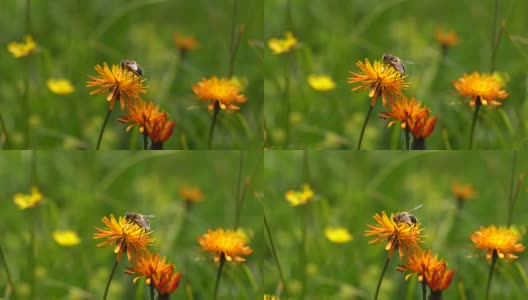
286 99
302 253
235 41
103 129
110 279
213 121
238 200
4 131
424 290
512 198
407 138
364 127
478 104
276 257
145 139
8 274
493 33
218 275
492 267
151 290
381 278
33 254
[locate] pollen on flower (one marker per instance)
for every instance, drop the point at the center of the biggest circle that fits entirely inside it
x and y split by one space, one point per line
119 84
225 244
221 91
380 80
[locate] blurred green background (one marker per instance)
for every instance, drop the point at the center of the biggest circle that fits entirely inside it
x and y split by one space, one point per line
74 36
81 188
351 187
336 34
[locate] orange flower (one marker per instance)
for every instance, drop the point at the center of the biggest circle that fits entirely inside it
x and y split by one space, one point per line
462 192
482 88
223 91
412 115
500 241
402 236
191 194
149 118
119 83
156 271
422 126
126 236
380 79
185 43
447 38
428 268
226 244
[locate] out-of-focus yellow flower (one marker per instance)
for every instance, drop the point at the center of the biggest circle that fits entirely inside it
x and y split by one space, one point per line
225 244
120 84
185 42
270 297
297 198
25 201
483 89
279 46
66 238
124 236
219 90
22 49
397 235
500 241
156 271
60 86
380 79
447 38
338 235
428 268
321 82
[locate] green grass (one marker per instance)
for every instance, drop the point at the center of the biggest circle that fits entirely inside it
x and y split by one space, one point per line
351 187
334 35
81 188
74 36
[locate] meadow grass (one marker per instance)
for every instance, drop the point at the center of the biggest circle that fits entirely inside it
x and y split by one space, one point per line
79 189
334 35
73 37
350 187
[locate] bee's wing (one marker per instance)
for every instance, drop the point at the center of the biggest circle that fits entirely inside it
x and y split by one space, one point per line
417 207
149 216
398 65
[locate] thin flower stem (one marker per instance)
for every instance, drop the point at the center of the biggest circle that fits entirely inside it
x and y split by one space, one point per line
235 41
25 103
381 278
238 200
302 253
103 129
145 139
218 275
474 122
512 198
276 257
4 131
33 252
424 290
286 98
110 279
213 121
407 138
493 33
151 290
364 127
8 274
492 268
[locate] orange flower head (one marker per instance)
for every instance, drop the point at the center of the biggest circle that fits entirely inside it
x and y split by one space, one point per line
156 271
447 38
149 117
485 89
120 84
412 115
428 268
126 236
500 241
185 42
380 79
296 198
462 192
226 244
398 235
223 91
191 194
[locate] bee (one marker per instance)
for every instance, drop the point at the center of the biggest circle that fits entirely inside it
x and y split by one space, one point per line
395 62
406 217
139 219
132 66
